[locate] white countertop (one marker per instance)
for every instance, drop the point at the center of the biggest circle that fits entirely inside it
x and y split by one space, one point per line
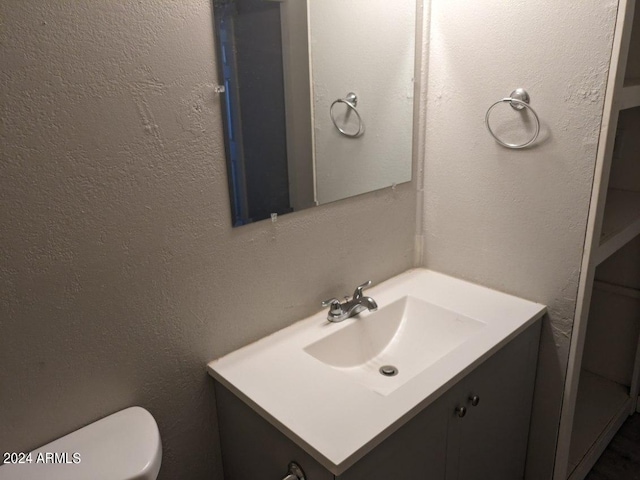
336 420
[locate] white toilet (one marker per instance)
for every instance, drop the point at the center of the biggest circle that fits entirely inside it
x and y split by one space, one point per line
122 446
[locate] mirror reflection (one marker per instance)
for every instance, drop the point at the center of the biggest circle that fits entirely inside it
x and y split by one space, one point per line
317 100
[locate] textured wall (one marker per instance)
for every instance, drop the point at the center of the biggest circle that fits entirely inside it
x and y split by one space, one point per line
516 220
120 275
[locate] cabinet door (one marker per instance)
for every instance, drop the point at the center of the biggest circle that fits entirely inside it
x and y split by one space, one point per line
417 450
490 440
253 449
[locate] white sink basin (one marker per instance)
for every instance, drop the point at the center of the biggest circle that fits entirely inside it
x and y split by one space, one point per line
319 384
409 334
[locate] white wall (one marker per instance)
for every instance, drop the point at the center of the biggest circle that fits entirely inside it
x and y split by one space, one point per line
516 220
120 274
366 47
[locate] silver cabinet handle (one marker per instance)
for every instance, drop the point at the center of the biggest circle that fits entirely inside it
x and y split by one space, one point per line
461 411
295 472
475 400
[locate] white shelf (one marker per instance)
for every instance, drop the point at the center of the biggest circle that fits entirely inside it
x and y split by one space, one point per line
602 407
617 289
621 223
595 407
630 96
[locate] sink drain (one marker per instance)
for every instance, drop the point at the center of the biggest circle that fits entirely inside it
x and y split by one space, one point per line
388 370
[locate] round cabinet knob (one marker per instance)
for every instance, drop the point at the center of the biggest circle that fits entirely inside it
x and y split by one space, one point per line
475 400
461 411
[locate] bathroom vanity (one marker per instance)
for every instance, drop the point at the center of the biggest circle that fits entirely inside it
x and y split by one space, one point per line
314 393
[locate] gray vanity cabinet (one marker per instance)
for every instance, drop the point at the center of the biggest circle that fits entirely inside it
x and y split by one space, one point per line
253 449
489 414
442 442
417 450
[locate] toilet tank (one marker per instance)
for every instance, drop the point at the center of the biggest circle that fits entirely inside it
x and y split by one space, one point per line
122 446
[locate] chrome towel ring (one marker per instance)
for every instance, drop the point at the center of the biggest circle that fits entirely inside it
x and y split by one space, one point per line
351 101
519 100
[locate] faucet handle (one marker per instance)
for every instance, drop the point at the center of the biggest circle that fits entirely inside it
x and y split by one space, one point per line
358 292
334 304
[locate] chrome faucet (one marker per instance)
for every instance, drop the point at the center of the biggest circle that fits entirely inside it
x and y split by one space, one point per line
350 308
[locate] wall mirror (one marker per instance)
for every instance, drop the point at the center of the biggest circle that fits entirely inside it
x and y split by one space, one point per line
317 100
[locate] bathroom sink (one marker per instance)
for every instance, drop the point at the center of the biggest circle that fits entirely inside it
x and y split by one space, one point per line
320 383
384 349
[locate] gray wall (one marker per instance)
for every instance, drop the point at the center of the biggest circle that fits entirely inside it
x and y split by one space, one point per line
120 275
516 220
